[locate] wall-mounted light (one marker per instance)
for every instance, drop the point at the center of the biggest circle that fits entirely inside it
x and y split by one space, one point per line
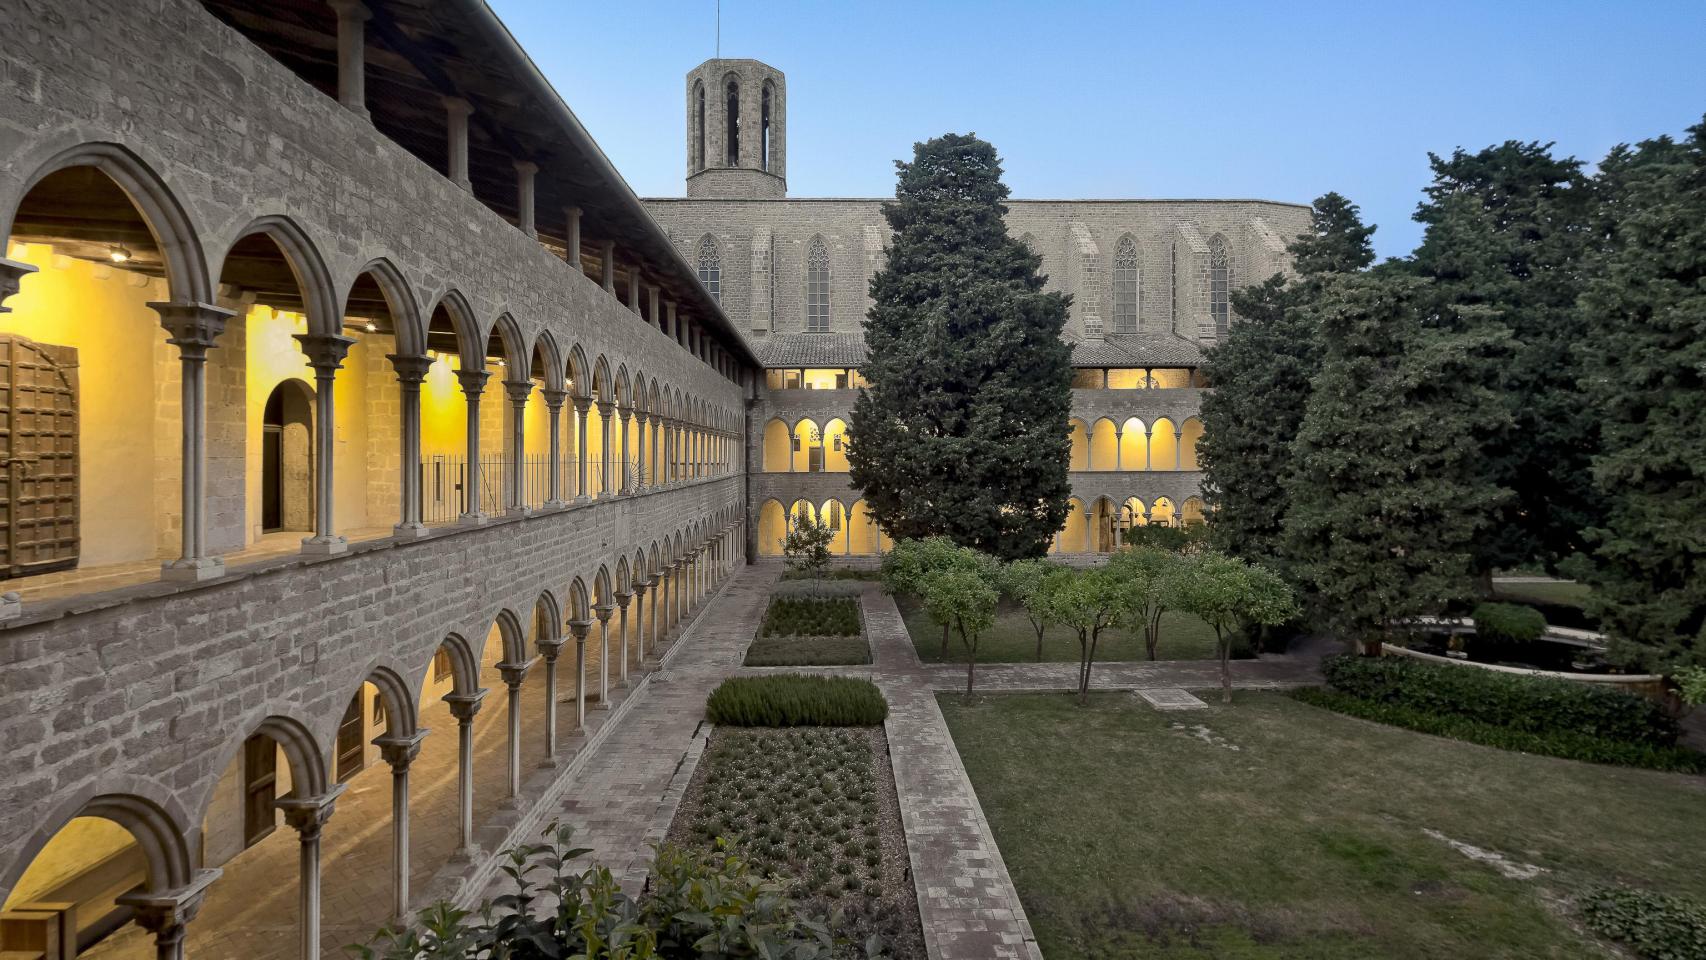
118 254
370 327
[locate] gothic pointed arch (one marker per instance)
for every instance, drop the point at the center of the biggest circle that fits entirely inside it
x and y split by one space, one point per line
1125 279
711 267
817 285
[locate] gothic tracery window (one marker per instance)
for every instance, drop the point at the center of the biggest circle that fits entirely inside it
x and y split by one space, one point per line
711 267
1125 286
817 287
1219 286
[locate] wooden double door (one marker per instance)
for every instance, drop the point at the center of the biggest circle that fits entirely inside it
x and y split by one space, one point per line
39 529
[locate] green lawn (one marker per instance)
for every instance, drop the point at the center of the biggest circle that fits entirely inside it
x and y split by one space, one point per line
1183 637
1131 833
1554 591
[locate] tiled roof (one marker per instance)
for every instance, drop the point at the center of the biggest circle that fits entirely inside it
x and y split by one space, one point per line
810 349
1137 350
848 350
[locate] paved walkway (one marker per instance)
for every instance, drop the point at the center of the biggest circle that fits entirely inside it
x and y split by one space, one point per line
634 779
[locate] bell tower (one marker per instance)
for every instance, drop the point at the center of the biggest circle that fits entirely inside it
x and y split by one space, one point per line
737 131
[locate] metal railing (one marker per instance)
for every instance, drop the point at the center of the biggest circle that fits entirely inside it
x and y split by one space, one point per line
444 482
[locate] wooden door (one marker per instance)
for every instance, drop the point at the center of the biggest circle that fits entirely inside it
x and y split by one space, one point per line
260 786
349 740
38 451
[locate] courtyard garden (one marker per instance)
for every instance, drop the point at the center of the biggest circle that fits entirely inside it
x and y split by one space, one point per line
1012 639
1271 828
811 623
796 782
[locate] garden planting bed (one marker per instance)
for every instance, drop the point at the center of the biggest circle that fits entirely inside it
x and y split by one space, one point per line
811 623
816 808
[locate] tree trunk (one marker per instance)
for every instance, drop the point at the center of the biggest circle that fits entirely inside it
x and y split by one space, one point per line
971 657
944 641
1225 666
1089 662
1039 644
1152 632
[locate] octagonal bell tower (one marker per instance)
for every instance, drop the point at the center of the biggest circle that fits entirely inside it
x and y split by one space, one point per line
737 131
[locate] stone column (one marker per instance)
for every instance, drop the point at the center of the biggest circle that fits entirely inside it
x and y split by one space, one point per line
1148 440
518 392
549 651
410 372
634 290
193 328
399 752
622 599
308 816
1090 530
473 382
660 582
352 43
640 587
667 467
626 418
578 629
524 171
514 674
456 111
607 252
1178 453
326 352
1119 448
464 706
654 450
582 406
574 236
167 915
554 458
652 305
11 273
607 456
603 612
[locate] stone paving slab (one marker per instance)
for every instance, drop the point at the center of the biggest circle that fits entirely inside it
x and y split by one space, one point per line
1171 698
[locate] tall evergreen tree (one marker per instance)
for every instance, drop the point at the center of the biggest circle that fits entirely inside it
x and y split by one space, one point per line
1645 358
963 431
1507 228
1261 377
1387 502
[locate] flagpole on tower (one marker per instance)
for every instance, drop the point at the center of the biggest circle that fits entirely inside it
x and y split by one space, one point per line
719 29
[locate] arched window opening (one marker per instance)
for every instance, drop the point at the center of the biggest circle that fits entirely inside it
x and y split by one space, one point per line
287 458
764 130
711 267
698 127
732 133
1219 287
817 287
1125 286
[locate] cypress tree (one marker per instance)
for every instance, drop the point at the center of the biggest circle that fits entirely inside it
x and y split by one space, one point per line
1506 229
1261 378
963 430
1645 360
1387 502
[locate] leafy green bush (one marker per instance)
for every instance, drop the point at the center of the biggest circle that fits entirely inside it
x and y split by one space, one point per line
1540 705
1656 926
1508 623
811 616
701 905
796 700
1555 743
807 651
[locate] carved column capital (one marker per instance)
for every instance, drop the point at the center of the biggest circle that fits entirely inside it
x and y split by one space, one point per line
307 815
325 351
579 629
606 407
400 751
167 914
410 370
549 650
623 598
582 405
11 273
553 398
464 706
193 326
473 381
513 673
603 611
518 391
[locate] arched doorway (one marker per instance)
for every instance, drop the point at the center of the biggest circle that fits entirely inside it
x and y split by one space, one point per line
287 458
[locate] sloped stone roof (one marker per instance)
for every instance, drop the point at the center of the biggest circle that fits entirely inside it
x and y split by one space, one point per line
1137 350
810 350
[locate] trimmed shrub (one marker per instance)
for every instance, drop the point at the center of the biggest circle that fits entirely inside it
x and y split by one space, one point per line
1557 743
1508 623
1656 926
796 700
818 587
834 573
1539 705
811 616
807 651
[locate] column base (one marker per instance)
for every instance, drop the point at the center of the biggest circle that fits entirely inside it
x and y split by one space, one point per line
600 704
412 530
549 763
474 519
581 500
519 512
556 505
193 570
11 606
324 546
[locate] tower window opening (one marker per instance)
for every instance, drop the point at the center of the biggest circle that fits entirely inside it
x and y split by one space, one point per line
764 130
699 127
733 138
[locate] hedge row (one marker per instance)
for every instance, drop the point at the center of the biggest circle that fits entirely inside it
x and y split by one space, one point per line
1527 704
819 588
811 617
796 700
807 651
1563 744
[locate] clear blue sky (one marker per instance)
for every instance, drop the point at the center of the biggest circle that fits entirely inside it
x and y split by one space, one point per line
1183 98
